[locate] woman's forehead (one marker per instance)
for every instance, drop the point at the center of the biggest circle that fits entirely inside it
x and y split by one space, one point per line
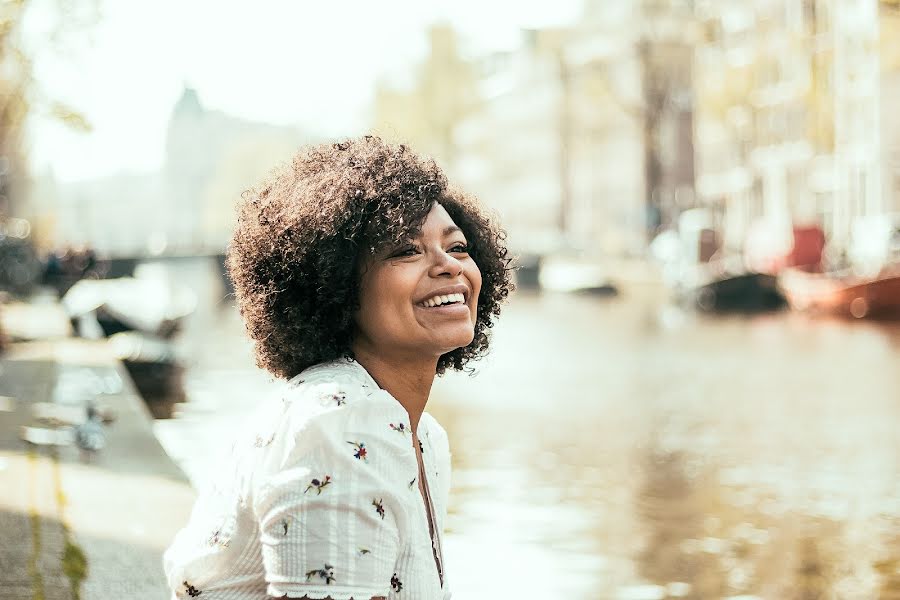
438 223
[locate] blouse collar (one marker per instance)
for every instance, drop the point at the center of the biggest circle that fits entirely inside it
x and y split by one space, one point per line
369 381
363 374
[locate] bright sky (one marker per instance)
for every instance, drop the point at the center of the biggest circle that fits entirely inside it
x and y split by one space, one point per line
313 64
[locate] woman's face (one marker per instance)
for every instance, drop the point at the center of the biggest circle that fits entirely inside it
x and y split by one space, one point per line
420 297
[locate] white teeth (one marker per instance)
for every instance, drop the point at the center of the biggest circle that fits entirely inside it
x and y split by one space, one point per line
438 300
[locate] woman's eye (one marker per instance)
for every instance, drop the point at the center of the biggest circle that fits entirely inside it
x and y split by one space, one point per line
459 248
408 251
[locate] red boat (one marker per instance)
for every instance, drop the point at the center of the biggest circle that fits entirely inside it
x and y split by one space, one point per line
844 294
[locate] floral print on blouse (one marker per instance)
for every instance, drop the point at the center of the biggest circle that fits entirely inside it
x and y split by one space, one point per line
319 497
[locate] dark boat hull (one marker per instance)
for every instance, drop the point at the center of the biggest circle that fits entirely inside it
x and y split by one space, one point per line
154 368
871 298
112 322
747 292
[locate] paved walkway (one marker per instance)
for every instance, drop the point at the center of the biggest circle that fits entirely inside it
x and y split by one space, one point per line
75 526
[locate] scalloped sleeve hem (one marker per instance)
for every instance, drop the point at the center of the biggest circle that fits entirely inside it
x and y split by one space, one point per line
320 592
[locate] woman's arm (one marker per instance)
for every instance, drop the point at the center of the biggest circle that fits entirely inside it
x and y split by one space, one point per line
327 506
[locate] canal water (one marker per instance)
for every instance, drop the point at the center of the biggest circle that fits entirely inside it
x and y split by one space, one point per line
623 449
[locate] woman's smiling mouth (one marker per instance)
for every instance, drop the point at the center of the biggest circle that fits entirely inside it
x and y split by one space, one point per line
449 300
443 300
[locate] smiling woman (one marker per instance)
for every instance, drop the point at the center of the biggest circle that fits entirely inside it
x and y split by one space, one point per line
304 237
360 276
419 300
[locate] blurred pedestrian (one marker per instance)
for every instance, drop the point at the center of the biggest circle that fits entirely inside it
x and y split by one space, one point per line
90 436
360 275
4 342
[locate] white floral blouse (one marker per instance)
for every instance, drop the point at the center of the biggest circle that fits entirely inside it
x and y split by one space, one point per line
321 498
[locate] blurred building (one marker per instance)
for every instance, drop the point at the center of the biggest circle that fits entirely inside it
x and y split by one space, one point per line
769 114
211 158
436 95
186 208
109 213
556 147
511 151
889 52
585 139
789 117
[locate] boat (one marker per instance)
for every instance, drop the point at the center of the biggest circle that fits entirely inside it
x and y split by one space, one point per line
154 368
742 292
845 294
104 307
575 275
726 286
869 289
703 276
528 268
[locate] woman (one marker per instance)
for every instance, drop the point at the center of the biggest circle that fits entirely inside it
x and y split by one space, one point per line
360 276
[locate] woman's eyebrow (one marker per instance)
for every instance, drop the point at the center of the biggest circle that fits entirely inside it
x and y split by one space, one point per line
448 230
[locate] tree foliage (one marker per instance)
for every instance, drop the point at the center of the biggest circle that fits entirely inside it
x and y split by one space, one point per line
443 93
21 95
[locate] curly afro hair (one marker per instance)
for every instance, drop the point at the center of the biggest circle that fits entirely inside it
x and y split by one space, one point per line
302 235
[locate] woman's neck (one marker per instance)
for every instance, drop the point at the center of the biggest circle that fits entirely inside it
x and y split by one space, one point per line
409 381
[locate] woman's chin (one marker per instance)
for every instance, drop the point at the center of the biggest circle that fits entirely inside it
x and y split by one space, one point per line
458 341
448 341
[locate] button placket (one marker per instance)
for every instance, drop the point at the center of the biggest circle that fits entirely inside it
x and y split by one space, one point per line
438 534
431 520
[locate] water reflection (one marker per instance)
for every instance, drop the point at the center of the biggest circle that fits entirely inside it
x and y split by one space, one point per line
700 458
618 449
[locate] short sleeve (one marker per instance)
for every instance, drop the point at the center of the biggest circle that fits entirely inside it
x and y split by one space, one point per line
328 508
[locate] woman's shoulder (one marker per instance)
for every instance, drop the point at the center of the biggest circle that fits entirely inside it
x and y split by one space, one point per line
329 417
331 399
329 385
338 373
340 385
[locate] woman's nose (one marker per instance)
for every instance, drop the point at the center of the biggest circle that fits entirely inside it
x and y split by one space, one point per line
446 264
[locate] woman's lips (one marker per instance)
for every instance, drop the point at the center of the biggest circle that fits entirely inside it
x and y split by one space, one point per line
458 308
